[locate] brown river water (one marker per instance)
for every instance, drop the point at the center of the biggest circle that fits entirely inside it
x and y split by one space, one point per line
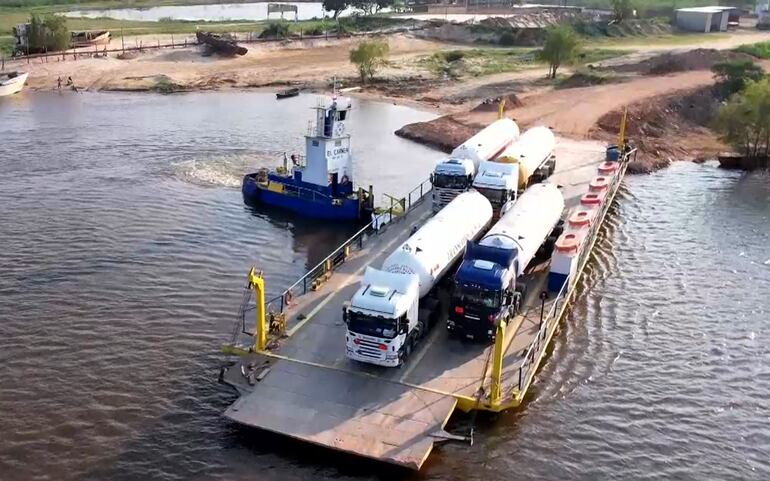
124 243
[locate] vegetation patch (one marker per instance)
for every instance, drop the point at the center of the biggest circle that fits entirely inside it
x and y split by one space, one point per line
758 50
478 61
586 77
275 30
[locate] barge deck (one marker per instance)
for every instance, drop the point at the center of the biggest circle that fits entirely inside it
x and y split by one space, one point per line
303 386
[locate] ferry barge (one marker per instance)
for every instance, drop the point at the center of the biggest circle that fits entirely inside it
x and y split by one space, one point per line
294 377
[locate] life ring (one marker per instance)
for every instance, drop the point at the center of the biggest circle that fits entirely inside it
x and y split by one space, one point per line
288 297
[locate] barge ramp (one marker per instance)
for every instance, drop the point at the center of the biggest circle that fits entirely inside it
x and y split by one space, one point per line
300 383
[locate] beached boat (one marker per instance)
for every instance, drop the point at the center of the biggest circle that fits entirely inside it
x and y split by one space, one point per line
12 82
284 94
89 38
220 43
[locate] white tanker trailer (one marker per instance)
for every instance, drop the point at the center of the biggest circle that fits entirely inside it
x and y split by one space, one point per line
455 175
529 160
392 310
485 291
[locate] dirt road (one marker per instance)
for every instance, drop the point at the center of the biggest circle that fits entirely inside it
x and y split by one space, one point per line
571 112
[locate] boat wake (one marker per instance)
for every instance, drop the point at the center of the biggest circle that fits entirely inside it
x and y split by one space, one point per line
215 172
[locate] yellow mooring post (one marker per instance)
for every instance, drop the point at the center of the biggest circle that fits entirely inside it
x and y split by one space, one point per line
622 135
257 283
497 367
501 109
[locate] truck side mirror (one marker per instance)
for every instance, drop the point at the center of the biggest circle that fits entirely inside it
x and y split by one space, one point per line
431 178
345 314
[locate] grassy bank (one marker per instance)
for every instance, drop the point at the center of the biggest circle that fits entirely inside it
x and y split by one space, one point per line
478 62
759 50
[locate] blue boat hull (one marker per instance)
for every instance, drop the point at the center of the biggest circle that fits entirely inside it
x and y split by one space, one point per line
307 204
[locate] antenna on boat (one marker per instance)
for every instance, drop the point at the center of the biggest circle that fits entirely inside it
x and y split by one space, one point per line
334 89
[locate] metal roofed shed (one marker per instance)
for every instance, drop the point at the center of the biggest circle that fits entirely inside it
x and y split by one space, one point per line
703 19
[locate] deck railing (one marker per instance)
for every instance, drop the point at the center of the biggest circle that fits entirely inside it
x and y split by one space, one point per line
325 268
549 320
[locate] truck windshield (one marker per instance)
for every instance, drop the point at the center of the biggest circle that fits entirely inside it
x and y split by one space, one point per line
476 296
450 181
495 196
376 326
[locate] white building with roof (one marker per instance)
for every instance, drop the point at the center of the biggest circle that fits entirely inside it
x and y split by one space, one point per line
703 19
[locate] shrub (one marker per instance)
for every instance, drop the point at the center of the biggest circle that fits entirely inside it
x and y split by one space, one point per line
507 39
453 55
561 46
744 121
368 57
733 76
275 30
759 50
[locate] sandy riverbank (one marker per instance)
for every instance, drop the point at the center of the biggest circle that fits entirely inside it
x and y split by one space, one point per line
577 111
311 63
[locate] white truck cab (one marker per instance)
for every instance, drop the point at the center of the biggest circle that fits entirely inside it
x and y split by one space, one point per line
381 318
451 177
499 183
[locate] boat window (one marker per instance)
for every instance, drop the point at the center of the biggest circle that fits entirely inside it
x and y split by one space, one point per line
450 181
315 143
337 143
343 114
367 325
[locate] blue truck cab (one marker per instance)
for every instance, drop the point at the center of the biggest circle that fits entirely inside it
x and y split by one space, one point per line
484 292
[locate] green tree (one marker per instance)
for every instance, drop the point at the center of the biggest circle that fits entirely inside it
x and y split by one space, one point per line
335 6
744 121
36 34
733 76
368 57
48 34
561 46
59 36
622 10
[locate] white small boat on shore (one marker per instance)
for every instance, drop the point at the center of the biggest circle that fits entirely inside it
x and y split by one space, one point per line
12 82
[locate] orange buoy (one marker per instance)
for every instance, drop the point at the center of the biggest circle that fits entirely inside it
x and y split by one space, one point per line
569 242
608 168
599 184
581 218
592 199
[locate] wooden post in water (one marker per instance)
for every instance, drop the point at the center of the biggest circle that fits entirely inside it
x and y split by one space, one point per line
172 41
122 42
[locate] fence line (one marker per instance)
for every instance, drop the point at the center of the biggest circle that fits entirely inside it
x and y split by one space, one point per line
547 325
250 38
